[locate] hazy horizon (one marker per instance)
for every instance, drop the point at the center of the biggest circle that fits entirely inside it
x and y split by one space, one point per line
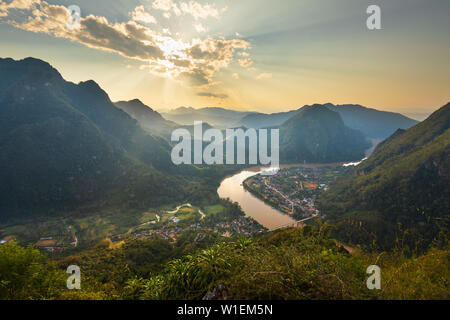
419 116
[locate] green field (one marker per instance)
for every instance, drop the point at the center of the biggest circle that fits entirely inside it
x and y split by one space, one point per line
213 209
90 228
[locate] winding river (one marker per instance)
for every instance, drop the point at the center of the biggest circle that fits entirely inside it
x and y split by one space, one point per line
231 187
267 216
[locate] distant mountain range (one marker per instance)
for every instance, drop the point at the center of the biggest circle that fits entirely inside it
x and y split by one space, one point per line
374 124
403 186
262 120
317 134
217 117
314 134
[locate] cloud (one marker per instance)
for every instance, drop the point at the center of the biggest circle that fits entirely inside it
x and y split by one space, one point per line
199 11
139 14
213 95
166 5
209 56
195 61
18 4
200 28
245 63
193 8
128 39
264 76
220 50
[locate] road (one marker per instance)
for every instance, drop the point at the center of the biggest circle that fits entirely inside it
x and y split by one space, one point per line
281 194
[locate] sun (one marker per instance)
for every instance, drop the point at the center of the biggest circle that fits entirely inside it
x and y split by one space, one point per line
173 48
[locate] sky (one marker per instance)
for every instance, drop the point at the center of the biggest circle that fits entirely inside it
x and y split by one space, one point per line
259 55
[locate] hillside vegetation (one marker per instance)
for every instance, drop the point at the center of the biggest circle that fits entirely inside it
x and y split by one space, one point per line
149 119
318 135
286 264
64 146
401 193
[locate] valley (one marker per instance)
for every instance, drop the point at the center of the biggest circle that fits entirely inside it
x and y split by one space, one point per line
75 232
91 182
294 190
186 218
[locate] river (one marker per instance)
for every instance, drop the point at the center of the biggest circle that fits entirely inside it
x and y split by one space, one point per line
231 187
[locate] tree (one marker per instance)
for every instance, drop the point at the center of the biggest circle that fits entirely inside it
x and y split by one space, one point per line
24 274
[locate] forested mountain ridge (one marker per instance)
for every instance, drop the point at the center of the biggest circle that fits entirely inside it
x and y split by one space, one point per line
149 119
318 134
402 189
64 145
374 124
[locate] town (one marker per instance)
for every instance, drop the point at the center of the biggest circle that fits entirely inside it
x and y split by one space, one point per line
173 229
186 217
293 190
168 222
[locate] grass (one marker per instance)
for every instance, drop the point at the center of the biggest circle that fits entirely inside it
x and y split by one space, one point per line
213 209
187 213
93 227
182 211
297 264
13 229
148 216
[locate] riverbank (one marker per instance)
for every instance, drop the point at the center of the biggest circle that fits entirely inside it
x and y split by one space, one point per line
273 204
266 212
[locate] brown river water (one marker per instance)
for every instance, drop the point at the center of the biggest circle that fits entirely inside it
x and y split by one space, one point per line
231 187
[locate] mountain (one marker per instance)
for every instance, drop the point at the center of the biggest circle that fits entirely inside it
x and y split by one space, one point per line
64 145
147 118
372 123
318 134
419 116
401 191
217 117
262 120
